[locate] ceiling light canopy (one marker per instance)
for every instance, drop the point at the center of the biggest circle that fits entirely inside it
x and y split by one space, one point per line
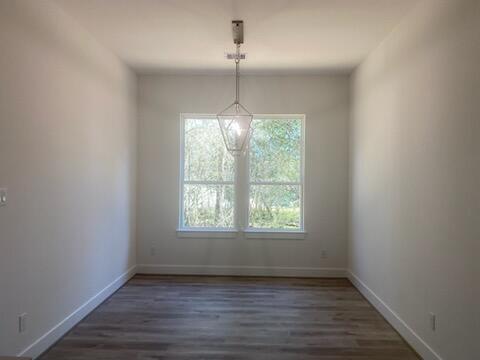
235 121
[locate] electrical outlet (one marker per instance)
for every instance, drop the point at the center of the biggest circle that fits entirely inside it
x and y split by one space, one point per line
433 322
324 254
3 197
152 251
22 323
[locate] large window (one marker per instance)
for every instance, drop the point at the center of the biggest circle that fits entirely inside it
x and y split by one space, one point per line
262 191
208 176
275 173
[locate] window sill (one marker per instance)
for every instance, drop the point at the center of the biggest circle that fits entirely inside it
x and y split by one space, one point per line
207 233
249 234
272 234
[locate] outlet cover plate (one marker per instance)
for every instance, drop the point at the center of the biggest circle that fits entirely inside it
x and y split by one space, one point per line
22 323
3 196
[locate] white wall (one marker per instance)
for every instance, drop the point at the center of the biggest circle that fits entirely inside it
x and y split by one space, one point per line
415 160
67 157
324 100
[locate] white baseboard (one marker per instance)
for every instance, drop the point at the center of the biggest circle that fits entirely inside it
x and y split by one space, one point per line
55 333
240 270
412 338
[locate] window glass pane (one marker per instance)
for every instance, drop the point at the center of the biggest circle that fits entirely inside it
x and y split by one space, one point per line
275 150
206 158
275 206
208 205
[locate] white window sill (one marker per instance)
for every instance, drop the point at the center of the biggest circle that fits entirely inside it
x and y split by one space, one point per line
272 234
207 233
249 234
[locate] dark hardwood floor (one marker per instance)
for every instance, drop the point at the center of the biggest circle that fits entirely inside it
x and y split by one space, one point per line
190 317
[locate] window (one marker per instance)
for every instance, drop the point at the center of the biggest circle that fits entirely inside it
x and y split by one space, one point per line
275 173
208 176
261 192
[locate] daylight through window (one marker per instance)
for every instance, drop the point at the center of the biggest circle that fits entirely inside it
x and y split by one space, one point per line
262 191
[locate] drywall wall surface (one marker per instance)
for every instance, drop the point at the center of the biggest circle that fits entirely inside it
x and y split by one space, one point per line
414 228
325 102
67 157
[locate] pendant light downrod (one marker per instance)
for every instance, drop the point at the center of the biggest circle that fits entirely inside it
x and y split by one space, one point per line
237 76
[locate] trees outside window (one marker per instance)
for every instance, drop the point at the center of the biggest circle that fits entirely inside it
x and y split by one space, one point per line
266 186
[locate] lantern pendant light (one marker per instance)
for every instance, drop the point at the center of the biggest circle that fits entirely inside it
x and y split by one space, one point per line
235 120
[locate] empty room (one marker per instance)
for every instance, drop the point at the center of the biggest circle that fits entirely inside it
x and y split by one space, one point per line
240 179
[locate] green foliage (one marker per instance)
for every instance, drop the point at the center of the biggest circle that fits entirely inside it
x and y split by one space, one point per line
275 156
275 150
206 159
275 206
277 218
209 205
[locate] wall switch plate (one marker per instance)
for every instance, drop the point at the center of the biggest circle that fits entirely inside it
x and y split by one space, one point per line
22 323
3 196
324 254
433 321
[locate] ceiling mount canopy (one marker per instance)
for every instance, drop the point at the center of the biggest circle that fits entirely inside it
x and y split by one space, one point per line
235 120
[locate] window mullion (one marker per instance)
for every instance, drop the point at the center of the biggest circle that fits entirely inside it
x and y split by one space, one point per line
241 192
208 182
275 183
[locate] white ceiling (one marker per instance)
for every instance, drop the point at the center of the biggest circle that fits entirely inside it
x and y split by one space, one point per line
280 35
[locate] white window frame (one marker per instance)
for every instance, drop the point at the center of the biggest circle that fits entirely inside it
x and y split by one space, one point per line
191 231
241 184
254 232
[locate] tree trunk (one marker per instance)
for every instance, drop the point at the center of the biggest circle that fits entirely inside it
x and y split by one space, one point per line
219 189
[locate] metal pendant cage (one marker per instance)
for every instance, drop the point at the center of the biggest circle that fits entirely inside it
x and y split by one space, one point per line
235 125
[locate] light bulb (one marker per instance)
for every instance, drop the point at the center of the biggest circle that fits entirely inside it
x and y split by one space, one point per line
237 128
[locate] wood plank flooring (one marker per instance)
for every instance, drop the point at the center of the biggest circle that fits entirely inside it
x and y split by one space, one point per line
233 318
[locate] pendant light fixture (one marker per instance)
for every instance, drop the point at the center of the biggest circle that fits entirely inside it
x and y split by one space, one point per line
235 120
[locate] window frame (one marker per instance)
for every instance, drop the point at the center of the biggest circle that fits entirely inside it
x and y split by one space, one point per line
241 185
301 183
189 230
